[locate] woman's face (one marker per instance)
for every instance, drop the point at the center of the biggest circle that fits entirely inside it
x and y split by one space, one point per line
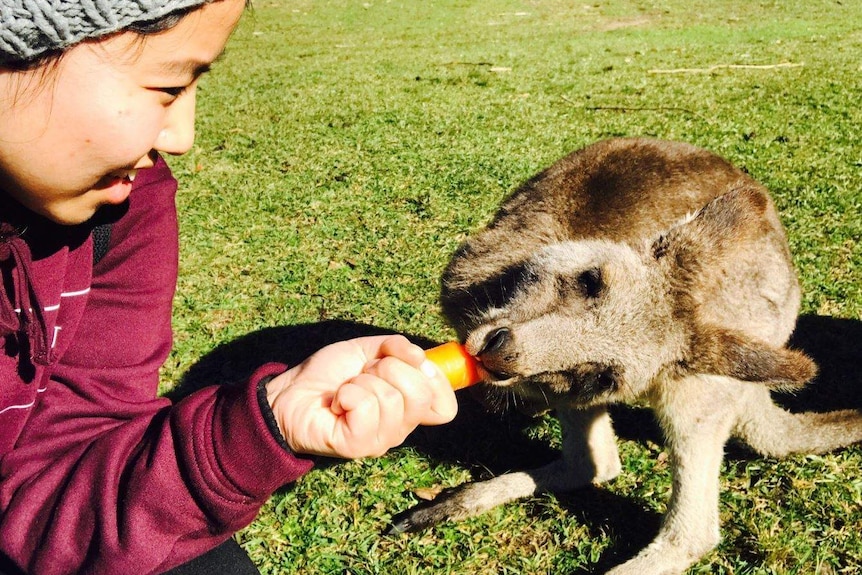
73 137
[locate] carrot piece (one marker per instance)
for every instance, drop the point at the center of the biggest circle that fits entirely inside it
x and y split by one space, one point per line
459 367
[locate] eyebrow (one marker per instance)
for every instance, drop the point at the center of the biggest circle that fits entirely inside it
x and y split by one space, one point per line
194 67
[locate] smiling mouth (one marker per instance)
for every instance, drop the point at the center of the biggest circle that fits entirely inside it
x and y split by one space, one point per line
127 176
111 179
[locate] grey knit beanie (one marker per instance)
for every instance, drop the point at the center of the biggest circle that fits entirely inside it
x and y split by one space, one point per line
29 28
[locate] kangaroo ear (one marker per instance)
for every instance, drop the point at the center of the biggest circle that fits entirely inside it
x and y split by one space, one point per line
727 223
723 352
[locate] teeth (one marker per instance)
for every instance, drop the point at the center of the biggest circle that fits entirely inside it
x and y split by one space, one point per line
131 175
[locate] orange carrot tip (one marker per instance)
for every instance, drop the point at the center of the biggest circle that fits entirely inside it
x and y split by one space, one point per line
459 367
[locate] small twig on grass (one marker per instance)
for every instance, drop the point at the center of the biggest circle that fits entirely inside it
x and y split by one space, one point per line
634 108
457 63
642 109
726 67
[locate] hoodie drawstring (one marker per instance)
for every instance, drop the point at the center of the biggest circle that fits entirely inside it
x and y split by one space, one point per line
29 318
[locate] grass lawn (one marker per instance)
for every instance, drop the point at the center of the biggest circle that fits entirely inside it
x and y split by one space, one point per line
344 150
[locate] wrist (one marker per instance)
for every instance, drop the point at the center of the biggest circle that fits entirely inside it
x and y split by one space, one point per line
267 391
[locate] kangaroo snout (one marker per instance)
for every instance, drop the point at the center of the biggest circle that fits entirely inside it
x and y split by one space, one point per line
496 353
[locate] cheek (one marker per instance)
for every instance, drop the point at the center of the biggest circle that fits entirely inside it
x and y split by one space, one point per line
117 124
123 136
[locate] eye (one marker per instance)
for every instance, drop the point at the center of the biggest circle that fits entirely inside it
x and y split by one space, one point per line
590 283
173 91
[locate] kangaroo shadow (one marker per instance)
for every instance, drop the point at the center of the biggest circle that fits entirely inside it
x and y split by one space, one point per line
835 345
234 361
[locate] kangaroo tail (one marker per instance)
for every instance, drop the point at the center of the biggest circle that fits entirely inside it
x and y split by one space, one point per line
775 432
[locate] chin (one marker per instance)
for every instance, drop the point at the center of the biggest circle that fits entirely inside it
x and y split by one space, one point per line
67 215
72 219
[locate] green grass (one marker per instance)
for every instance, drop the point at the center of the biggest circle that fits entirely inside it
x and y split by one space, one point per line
344 149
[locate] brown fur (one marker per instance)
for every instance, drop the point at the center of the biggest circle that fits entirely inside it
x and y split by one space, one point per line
636 270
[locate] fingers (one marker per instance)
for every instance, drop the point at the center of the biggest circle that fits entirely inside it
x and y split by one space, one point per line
383 405
380 346
373 418
410 386
360 397
401 347
443 405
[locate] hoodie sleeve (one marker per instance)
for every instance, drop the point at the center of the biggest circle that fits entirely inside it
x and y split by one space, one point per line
109 478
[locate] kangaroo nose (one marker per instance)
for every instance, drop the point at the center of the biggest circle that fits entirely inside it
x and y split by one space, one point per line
496 340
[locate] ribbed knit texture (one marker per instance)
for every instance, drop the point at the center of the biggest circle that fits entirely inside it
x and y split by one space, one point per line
30 28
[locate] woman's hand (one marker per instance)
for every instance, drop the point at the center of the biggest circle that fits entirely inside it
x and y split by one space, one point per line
359 398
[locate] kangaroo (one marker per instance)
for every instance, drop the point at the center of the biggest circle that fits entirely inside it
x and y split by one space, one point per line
636 271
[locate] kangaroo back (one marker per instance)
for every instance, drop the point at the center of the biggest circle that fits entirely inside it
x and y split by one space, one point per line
626 190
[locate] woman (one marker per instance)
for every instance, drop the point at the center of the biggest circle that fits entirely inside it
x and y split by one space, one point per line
97 473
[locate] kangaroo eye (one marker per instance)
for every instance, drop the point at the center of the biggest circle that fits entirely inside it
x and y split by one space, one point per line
591 283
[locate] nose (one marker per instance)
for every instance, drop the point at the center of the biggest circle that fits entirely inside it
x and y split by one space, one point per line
495 354
495 340
178 133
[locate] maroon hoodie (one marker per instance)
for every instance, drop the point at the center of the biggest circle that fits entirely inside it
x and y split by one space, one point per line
97 473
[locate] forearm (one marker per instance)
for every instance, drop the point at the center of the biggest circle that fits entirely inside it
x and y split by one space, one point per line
143 494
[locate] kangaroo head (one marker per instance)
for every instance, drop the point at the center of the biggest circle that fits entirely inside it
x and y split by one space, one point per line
579 322
594 321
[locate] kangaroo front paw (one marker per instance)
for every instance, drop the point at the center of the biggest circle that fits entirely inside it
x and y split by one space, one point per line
607 468
466 501
451 504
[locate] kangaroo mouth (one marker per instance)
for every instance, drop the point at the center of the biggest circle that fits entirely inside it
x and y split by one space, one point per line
497 377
